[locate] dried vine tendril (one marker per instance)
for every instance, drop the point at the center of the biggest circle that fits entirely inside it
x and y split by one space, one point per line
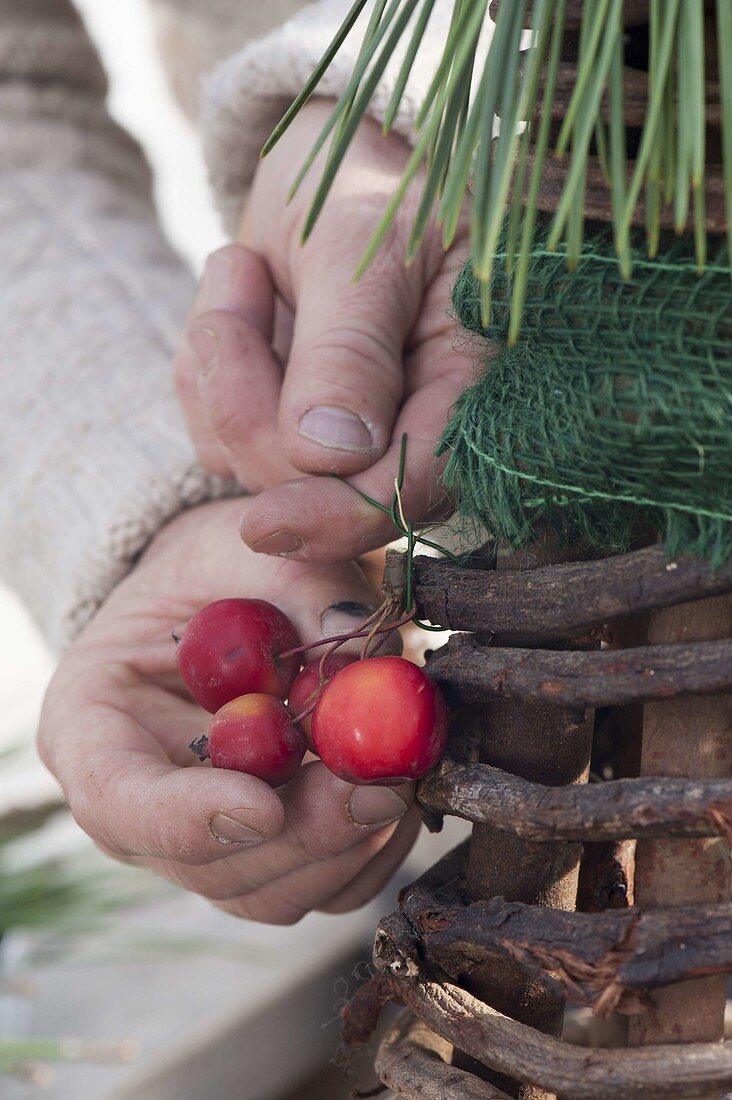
405 529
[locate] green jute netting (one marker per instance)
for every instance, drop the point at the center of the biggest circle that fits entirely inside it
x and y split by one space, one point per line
614 410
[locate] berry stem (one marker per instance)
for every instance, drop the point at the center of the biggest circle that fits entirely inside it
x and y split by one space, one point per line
310 708
341 638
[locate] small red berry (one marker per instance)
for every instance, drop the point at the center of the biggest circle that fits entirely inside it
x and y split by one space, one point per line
304 690
254 734
379 721
231 647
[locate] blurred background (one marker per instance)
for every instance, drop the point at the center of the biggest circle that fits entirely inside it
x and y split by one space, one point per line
112 984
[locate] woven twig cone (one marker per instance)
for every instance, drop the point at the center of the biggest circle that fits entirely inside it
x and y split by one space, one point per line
559 646
475 921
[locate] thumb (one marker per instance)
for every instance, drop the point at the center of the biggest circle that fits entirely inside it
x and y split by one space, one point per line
344 381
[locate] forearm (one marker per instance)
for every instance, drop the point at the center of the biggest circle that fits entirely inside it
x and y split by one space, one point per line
91 300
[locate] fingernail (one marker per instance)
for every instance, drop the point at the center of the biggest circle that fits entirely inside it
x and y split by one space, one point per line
215 285
204 344
341 617
375 806
279 542
228 829
335 427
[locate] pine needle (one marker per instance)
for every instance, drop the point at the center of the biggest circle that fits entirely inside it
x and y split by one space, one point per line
454 141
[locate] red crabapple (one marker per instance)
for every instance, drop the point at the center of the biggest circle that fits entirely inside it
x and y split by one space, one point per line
231 647
254 734
379 721
304 690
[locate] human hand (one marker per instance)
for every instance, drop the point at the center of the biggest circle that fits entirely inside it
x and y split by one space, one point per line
288 367
117 721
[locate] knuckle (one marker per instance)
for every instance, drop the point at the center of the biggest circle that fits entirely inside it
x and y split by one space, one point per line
89 816
216 891
48 723
228 423
44 745
315 846
367 352
119 857
187 843
92 804
221 322
344 902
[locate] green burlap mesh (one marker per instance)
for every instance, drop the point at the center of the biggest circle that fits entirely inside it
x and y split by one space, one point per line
614 410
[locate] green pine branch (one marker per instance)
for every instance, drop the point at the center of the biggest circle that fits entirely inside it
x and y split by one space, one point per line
455 149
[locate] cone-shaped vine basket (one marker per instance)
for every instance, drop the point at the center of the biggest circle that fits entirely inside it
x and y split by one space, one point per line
591 676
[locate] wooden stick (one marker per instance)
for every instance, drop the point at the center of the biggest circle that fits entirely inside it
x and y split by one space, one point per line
634 12
540 743
635 90
686 736
577 1073
555 600
598 200
593 959
600 811
414 1062
579 680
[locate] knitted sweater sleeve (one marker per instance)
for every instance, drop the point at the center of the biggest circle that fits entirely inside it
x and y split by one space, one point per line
93 451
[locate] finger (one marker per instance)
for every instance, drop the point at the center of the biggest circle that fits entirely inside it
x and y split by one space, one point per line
377 872
226 374
367 866
239 388
129 798
283 518
324 520
320 600
326 602
325 818
346 882
235 279
344 380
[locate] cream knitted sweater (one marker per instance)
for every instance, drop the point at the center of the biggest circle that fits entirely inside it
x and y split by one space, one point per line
93 452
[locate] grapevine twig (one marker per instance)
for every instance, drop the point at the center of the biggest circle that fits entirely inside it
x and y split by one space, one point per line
405 529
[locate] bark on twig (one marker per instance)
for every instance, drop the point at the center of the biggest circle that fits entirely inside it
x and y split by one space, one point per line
598 200
606 876
560 600
635 91
413 1061
581 1073
581 680
686 736
600 960
541 743
618 809
634 12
